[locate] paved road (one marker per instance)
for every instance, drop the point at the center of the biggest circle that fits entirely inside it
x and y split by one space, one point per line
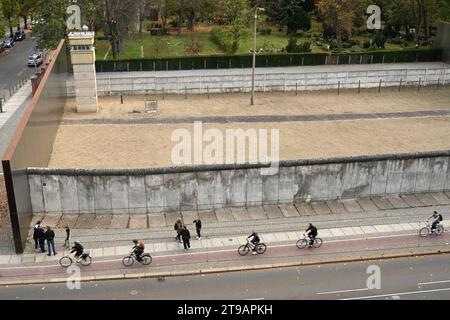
13 64
409 278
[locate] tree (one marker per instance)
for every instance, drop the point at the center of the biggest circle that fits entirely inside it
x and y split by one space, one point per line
51 25
299 20
26 7
237 12
10 10
3 23
290 14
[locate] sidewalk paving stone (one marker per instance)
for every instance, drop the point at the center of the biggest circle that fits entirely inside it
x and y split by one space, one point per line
35 219
320 208
206 243
406 226
119 221
397 202
348 231
447 193
256 213
69 220
324 233
397 227
242 239
102 221
195 244
40 258
224 215
28 259
281 236
160 246
97 252
240 214
149 247
289 211
416 226
268 237
367 204
217 242
123 250
4 259
305 209
382 203
358 230
85 221
189 216
171 217
51 220
108 252
383 228
441 198
368 229
156 220
174 246
337 232
273 212
351 205
412 200
294 236
207 216
336 207
137 221
427 199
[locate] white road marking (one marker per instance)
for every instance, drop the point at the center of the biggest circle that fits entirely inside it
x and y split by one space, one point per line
343 291
256 299
396 297
398 294
433 282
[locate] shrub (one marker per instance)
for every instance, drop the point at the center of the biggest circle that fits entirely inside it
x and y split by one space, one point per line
346 45
366 44
380 40
405 44
353 42
409 37
396 41
265 32
223 41
293 47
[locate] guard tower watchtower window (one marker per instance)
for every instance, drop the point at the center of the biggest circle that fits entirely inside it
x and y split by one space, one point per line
82 47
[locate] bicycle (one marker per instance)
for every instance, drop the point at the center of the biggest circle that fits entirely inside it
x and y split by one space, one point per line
302 243
245 248
128 261
85 260
426 231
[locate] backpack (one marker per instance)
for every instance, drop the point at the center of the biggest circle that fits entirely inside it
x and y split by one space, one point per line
141 245
440 217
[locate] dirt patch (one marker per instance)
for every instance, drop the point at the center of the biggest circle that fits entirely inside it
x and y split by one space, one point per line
3 203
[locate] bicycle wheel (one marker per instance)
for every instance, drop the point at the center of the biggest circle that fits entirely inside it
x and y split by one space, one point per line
128 261
146 259
317 243
243 250
424 232
302 243
65 261
261 248
86 261
439 230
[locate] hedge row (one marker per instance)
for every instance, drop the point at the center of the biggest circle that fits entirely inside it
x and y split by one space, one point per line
269 60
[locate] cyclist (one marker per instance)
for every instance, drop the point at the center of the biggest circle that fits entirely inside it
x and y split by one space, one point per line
254 241
312 234
78 249
436 219
138 250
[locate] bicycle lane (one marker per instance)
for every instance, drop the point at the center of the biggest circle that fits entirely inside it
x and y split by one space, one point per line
374 245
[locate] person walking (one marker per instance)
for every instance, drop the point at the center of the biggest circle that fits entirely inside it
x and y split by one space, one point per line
50 237
186 236
41 238
198 228
66 241
178 227
35 235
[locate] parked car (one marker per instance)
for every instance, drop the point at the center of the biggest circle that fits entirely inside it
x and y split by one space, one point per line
19 35
35 60
8 43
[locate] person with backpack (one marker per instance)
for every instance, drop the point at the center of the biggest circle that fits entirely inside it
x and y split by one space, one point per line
186 236
436 219
178 228
312 234
138 249
198 228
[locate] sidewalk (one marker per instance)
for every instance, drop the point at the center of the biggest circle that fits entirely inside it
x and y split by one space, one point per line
227 229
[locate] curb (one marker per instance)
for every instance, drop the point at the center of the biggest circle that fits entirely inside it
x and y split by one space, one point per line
232 269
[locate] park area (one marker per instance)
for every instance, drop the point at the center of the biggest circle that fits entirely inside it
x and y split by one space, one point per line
311 125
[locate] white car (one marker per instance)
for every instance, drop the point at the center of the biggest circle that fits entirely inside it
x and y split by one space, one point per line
35 60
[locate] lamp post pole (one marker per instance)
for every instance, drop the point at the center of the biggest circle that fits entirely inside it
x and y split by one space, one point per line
252 100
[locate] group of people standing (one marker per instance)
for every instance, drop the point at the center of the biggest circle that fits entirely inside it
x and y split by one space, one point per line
183 234
41 235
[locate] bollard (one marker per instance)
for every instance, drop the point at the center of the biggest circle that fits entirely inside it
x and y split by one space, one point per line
207 90
296 89
400 85
185 93
339 86
359 86
379 87
439 80
10 91
1 106
420 80
121 98
164 93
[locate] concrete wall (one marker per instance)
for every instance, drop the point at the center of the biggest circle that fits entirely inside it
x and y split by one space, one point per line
240 81
443 40
174 189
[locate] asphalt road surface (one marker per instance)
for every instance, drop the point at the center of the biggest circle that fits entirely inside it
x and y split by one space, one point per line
13 64
400 279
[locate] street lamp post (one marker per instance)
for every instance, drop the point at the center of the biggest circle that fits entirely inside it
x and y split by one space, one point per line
252 101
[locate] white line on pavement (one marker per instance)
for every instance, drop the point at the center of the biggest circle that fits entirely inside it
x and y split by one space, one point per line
398 294
433 282
342 291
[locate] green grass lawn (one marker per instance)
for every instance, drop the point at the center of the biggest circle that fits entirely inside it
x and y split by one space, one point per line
177 46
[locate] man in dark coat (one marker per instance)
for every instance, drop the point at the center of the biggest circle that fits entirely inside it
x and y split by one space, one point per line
35 235
41 238
178 228
50 237
186 236
198 228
